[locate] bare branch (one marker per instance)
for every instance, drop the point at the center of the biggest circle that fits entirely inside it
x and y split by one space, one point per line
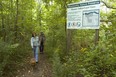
108 6
107 20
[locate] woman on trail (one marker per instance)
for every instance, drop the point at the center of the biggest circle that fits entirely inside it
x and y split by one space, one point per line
35 45
42 41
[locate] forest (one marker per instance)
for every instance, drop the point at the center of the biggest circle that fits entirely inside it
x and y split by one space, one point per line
68 52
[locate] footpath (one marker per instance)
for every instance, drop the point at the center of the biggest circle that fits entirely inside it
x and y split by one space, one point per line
42 68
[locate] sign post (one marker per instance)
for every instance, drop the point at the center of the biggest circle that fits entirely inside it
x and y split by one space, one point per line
96 36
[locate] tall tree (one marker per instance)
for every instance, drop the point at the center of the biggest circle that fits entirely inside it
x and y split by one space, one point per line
16 20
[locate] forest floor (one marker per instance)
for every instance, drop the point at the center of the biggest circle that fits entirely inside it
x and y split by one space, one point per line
42 69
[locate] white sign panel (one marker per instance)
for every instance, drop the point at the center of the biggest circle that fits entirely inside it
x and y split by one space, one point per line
84 15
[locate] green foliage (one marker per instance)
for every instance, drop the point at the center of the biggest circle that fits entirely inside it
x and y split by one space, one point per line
11 57
99 61
6 50
57 66
94 63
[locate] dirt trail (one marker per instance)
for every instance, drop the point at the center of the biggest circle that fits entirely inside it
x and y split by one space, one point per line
42 69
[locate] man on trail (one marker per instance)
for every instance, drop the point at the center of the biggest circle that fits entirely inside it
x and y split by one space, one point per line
42 41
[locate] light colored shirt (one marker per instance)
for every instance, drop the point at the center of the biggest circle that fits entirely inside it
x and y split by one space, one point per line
34 41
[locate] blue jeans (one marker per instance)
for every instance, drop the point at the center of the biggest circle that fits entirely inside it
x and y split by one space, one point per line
35 49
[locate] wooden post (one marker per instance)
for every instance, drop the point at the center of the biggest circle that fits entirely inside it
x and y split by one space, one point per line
68 40
96 36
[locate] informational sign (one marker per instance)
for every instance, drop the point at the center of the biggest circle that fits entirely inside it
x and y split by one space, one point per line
83 15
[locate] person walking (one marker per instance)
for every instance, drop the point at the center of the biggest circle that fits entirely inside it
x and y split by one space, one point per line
42 41
35 46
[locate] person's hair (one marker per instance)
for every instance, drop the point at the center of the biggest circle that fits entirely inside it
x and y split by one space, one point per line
33 34
41 33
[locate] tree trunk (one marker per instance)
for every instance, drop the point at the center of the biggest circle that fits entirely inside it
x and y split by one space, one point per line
16 21
68 32
39 14
40 18
3 34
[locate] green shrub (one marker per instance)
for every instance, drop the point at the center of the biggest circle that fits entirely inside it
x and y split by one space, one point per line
57 66
99 61
11 58
5 53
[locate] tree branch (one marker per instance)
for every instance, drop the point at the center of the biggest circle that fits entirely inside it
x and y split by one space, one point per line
107 20
108 6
